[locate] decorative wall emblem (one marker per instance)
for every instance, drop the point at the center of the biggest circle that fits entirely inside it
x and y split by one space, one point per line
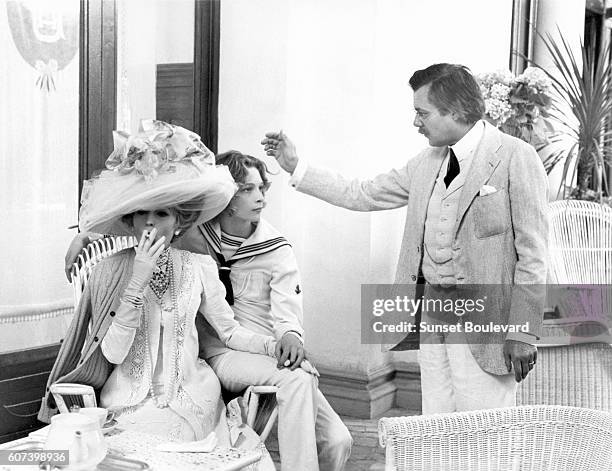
46 34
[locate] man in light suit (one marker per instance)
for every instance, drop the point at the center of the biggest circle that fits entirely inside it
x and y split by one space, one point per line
476 214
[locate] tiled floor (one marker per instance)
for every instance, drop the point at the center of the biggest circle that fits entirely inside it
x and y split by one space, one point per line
366 455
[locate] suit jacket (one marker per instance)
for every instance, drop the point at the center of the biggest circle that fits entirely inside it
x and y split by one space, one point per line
498 239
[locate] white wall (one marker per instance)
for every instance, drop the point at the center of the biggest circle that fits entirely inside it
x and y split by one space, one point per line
334 76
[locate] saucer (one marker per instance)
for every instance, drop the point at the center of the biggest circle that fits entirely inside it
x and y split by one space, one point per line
109 426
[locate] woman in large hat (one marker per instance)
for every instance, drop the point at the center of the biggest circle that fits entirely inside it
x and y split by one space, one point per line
141 353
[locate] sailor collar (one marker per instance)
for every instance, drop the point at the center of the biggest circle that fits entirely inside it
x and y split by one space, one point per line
263 240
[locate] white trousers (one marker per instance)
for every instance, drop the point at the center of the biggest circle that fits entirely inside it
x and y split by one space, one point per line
311 435
452 380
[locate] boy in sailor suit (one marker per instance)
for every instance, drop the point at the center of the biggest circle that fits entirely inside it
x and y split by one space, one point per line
260 273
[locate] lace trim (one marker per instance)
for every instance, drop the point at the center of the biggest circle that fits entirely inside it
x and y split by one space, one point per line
138 364
204 417
137 356
184 292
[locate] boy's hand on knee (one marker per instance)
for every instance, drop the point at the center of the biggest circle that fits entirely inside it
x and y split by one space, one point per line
290 352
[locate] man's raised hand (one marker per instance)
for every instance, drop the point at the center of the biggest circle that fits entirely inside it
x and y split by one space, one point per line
279 146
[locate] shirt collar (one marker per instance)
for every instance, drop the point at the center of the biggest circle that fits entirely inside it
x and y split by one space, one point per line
466 146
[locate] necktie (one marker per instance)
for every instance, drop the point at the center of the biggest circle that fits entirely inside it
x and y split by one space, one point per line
453 168
224 276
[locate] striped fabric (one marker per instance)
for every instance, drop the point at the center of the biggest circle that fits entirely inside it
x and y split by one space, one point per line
250 249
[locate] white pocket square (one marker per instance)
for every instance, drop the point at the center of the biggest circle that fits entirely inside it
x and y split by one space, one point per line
487 190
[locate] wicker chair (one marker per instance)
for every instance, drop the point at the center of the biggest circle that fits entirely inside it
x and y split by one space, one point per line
552 438
260 401
575 358
580 242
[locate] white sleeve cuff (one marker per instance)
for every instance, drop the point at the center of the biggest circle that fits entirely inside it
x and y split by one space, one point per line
525 337
296 334
298 173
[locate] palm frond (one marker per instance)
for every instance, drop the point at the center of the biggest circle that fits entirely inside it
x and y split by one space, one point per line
582 107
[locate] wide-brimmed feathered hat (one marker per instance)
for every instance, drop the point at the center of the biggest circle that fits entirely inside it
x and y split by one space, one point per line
159 167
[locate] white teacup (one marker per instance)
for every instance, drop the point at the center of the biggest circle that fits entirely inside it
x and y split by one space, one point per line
98 413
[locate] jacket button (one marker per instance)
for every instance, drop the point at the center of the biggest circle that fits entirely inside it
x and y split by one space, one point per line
413 277
112 313
95 339
418 249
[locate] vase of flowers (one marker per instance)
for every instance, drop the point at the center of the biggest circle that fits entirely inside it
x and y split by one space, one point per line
519 105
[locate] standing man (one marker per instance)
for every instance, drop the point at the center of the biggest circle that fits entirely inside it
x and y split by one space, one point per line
476 214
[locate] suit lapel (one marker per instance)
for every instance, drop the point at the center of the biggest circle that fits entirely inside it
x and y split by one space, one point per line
484 162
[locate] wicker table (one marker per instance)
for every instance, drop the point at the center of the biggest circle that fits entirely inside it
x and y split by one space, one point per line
141 447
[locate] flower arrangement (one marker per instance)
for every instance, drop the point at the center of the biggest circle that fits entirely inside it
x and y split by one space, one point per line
518 105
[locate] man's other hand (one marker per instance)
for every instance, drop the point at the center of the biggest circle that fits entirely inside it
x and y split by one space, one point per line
521 357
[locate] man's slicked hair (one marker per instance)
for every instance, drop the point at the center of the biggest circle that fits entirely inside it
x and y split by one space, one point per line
452 88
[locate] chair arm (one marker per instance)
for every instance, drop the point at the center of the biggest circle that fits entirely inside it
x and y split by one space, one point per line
72 389
264 389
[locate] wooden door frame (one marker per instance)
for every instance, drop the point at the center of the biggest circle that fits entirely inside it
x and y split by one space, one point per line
97 84
206 71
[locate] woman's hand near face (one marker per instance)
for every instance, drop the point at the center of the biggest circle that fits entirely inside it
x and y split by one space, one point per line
147 253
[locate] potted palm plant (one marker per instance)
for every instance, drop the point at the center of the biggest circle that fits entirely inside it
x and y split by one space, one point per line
582 110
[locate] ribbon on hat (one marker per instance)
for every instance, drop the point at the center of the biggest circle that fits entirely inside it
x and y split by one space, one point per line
154 148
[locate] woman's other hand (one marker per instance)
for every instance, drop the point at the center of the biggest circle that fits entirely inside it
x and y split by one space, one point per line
147 253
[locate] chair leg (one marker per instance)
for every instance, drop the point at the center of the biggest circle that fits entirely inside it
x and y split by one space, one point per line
268 427
261 415
252 400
